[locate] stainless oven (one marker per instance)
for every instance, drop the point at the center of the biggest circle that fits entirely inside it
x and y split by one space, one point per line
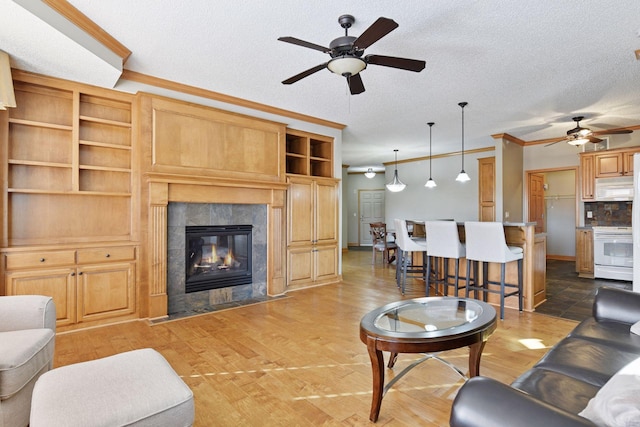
613 253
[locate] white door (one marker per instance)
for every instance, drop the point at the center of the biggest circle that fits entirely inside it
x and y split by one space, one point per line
371 207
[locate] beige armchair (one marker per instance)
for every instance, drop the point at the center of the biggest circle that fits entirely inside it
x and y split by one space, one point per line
27 340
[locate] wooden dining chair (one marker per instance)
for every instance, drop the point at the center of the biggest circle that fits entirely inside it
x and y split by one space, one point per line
381 242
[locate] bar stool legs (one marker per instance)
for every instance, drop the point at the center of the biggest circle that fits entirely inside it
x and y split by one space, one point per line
483 285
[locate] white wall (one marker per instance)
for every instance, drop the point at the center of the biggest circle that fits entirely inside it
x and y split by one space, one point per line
449 200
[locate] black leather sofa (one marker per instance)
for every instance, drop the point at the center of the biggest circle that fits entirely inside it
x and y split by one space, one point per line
561 384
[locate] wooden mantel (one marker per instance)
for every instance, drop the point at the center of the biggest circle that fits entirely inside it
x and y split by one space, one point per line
196 154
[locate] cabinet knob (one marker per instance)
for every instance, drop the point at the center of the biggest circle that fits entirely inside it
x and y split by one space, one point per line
107 255
80 273
73 274
42 259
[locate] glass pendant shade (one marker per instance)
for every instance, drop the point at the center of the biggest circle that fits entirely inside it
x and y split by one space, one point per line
369 173
430 182
396 185
462 176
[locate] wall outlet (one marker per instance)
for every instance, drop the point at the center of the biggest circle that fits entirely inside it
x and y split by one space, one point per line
589 214
506 214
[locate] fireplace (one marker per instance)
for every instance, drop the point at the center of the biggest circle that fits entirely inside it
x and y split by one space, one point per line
217 256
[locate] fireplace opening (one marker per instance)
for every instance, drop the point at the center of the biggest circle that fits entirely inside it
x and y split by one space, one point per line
217 256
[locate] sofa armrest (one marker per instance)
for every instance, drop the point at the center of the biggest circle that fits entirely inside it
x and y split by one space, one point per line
484 402
617 305
27 312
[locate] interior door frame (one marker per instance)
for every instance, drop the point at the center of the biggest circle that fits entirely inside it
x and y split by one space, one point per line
577 181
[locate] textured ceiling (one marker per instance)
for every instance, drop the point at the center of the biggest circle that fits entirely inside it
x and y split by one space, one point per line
525 68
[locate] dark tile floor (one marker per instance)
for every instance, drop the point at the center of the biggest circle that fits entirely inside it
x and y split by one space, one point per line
570 296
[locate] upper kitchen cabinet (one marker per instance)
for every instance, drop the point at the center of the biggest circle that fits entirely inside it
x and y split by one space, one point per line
604 164
309 154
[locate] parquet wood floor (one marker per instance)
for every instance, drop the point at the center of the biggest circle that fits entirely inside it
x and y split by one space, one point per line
298 361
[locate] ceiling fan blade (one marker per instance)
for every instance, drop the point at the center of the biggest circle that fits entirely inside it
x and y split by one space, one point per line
375 32
303 43
355 84
391 61
613 132
594 139
304 74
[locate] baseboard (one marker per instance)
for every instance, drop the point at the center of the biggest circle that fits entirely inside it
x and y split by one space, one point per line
561 257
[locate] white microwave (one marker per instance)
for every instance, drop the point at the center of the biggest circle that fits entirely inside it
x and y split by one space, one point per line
614 189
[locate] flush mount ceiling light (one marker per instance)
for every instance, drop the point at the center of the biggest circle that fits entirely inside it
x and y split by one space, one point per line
430 183
7 96
462 176
396 185
369 173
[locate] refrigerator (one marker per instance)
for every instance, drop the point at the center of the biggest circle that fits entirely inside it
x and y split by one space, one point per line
635 223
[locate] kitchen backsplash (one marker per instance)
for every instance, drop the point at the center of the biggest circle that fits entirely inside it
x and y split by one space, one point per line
608 213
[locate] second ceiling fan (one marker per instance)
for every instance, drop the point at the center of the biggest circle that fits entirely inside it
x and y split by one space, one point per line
580 135
347 53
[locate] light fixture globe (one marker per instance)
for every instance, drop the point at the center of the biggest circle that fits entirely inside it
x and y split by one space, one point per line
346 65
463 177
369 173
578 141
396 185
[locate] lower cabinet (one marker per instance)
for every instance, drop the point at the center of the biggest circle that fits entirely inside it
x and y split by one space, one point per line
98 283
309 266
584 253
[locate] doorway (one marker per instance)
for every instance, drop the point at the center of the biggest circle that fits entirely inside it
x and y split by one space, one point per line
558 210
370 209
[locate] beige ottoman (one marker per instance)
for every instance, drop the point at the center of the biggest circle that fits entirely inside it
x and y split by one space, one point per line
136 388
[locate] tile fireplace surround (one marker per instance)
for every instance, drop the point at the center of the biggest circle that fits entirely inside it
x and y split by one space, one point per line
180 215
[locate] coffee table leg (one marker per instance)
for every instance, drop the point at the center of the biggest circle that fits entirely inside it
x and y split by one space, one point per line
475 352
392 360
377 368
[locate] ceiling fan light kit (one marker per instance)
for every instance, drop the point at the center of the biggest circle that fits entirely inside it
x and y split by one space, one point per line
346 65
347 53
370 173
396 185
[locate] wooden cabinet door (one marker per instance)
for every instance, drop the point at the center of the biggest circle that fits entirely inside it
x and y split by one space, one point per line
587 169
326 262
300 212
326 212
487 188
300 266
105 290
627 163
57 283
608 165
584 252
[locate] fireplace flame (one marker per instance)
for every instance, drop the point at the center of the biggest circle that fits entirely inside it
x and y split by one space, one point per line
228 260
214 253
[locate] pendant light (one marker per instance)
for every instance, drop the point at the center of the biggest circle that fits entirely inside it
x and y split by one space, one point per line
430 183
396 185
369 173
462 176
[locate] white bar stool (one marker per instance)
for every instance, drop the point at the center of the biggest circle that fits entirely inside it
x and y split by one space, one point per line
407 246
443 242
485 242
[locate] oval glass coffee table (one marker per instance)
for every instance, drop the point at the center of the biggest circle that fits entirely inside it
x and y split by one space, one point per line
424 325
